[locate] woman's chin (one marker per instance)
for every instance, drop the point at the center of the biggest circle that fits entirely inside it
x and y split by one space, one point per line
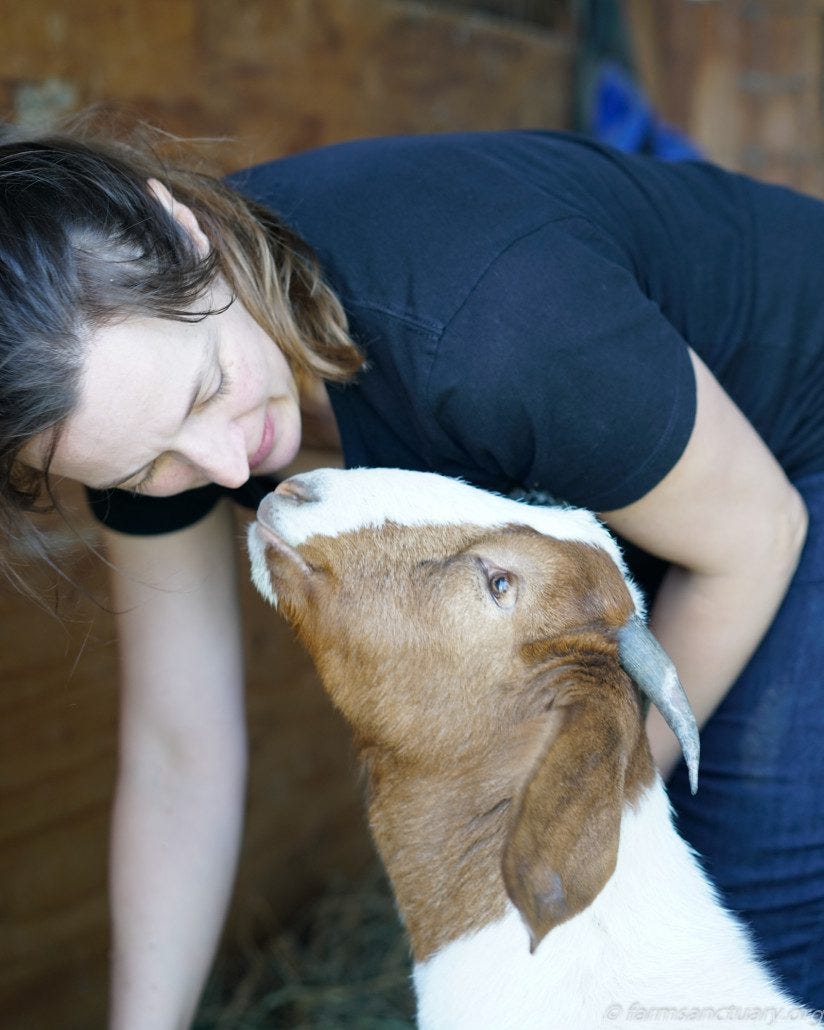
282 456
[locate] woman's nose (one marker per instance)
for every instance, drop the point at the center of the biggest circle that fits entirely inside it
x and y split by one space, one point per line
220 454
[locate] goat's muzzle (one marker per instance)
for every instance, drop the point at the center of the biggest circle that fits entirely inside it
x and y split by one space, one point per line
295 488
275 562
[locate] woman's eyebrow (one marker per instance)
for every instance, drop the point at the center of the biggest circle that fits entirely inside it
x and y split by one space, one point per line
200 378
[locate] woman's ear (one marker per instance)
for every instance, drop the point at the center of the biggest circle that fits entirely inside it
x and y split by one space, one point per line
183 215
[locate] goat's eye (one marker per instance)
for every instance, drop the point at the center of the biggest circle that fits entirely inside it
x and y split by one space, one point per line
503 587
499 585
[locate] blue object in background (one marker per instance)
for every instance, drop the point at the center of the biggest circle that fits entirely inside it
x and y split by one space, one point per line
622 117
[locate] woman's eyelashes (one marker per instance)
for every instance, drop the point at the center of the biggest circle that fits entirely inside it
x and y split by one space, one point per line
141 487
222 387
224 384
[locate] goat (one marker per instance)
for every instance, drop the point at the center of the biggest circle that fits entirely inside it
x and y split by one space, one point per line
479 648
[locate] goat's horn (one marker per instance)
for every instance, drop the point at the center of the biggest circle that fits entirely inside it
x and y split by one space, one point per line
652 669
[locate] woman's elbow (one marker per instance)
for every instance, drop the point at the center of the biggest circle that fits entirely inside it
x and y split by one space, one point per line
792 523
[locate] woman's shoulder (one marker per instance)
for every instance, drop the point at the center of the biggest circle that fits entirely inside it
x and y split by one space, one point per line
388 177
438 204
407 225
562 166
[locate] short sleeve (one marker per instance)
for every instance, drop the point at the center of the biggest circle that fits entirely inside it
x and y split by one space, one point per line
558 373
138 515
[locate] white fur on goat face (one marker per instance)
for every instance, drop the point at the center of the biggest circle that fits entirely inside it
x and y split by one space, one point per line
344 501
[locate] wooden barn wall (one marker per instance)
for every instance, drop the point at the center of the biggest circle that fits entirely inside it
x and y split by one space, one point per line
277 76
744 78
284 75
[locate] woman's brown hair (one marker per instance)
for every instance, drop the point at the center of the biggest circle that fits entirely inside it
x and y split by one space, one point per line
84 243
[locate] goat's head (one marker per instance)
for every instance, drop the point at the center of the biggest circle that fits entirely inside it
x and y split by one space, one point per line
447 623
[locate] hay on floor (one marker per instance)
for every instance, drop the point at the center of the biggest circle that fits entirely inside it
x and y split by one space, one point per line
343 962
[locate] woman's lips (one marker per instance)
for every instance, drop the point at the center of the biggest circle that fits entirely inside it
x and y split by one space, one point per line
262 453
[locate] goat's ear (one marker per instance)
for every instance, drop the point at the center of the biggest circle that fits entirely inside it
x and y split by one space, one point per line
563 842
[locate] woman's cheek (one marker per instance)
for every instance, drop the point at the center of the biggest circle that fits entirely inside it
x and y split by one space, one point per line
174 481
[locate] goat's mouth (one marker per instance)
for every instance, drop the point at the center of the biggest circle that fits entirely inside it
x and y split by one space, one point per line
267 534
276 566
280 554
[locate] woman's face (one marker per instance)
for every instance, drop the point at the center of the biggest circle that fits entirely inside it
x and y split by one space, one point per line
166 406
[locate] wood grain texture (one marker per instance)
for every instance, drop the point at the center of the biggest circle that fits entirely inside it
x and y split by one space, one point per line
742 77
57 763
276 76
282 76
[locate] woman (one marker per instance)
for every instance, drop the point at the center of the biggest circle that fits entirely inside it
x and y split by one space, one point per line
535 313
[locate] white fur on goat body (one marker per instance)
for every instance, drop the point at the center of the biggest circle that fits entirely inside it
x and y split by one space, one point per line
360 498
655 937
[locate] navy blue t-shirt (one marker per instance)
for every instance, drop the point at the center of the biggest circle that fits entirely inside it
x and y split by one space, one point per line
526 301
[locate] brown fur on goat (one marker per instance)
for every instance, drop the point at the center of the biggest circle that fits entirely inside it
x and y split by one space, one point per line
500 741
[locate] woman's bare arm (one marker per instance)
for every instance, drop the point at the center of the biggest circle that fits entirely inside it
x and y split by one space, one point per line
733 526
179 802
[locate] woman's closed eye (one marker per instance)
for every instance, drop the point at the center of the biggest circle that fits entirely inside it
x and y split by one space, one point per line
223 386
142 486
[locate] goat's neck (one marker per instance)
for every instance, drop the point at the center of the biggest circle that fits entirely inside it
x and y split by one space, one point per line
441 829
441 837
442 847
653 938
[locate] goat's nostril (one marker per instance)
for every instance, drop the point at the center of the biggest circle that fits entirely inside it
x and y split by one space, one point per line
295 489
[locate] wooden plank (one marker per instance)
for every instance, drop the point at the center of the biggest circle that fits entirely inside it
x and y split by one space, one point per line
742 78
279 77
